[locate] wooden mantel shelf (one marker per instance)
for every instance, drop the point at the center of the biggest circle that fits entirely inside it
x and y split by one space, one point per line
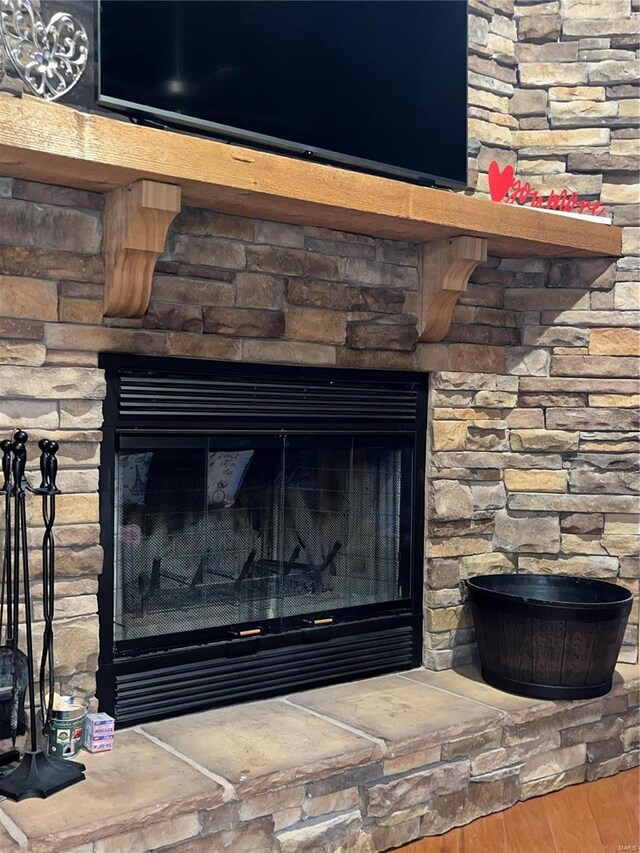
58 144
148 173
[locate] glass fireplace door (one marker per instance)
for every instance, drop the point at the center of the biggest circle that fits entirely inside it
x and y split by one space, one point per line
218 534
347 521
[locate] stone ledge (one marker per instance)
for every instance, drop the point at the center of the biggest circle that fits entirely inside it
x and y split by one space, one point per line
364 766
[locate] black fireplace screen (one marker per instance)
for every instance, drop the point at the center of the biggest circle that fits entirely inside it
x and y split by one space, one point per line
213 532
262 531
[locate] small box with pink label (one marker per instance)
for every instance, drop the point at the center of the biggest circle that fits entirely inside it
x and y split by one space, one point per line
98 732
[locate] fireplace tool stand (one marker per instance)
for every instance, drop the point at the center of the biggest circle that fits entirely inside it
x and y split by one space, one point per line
36 774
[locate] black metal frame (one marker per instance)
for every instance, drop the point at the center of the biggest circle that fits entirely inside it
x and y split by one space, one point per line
122 660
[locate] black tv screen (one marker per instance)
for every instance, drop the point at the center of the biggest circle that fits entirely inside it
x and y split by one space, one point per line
378 85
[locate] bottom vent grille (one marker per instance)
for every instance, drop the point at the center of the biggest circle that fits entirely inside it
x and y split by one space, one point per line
148 694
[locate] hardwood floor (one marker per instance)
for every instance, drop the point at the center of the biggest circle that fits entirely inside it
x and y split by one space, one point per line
595 817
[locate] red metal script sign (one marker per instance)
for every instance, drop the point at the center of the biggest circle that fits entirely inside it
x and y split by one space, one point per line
506 188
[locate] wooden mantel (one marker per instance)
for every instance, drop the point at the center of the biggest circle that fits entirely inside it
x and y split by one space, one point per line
57 144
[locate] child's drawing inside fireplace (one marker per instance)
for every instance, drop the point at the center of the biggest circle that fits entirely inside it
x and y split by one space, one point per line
213 533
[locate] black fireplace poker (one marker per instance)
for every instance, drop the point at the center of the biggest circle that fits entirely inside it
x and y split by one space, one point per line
36 774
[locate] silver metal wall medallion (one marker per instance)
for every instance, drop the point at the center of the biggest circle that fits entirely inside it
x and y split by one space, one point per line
50 58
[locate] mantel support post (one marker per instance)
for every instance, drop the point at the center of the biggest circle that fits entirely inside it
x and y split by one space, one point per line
445 267
136 221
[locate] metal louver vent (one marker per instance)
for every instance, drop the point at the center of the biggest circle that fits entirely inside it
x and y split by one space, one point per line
178 397
207 683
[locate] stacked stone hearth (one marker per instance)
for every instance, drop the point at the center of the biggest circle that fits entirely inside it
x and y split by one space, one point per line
355 768
533 401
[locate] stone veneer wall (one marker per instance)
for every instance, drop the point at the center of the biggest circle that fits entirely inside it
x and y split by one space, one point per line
532 441
535 469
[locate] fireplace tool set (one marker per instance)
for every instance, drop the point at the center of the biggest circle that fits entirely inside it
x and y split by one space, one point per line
36 774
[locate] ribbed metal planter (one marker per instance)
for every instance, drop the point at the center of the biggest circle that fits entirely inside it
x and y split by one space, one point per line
549 637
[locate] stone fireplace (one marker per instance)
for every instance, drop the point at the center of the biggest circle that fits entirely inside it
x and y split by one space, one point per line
505 417
530 463
262 529
528 430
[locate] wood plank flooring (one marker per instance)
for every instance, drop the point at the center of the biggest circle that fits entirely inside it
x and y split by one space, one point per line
595 817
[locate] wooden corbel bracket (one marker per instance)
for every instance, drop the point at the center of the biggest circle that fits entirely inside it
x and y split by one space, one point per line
445 268
136 221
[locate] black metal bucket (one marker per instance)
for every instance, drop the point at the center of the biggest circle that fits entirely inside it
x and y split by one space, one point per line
548 636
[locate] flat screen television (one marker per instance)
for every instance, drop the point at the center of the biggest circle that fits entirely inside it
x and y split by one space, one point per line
376 85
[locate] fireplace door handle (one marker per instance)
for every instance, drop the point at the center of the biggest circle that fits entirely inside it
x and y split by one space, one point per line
248 632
